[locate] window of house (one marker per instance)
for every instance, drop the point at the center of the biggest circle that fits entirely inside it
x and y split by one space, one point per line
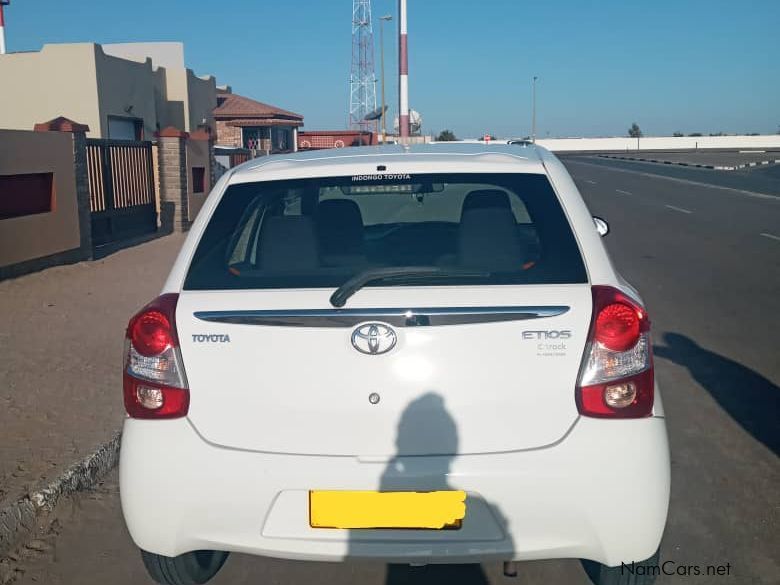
198 179
254 135
121 128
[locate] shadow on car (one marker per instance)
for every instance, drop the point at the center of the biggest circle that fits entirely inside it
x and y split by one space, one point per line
425 423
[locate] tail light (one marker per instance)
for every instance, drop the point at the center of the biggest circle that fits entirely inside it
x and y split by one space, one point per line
616 377
154 382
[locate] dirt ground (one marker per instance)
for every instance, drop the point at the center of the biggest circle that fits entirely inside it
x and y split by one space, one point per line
61 341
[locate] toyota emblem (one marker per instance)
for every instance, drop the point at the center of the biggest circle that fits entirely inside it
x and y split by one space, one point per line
373 338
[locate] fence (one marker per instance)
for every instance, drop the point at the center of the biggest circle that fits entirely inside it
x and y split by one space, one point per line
121 189
63 195
239 157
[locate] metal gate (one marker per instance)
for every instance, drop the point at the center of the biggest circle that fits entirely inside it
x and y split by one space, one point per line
121 189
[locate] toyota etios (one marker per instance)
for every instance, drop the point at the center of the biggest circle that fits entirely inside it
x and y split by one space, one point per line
405 354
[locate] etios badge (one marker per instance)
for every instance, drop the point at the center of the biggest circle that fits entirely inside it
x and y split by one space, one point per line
373 338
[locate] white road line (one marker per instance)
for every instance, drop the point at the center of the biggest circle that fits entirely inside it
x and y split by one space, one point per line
589 181
774 198
623 192
680 209
771 236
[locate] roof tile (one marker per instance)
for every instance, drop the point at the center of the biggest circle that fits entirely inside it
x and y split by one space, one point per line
235 105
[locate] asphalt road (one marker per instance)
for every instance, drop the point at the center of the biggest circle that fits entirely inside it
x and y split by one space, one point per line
707 261
764 179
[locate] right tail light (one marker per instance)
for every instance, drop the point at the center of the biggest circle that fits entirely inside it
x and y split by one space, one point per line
616 377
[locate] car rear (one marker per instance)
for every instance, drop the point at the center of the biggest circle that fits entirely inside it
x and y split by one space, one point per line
503 363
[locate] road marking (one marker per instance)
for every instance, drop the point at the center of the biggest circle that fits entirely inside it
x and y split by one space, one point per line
677 180
623 192
680 209
589 181
771 236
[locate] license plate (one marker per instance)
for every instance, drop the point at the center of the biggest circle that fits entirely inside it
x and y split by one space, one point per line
366 509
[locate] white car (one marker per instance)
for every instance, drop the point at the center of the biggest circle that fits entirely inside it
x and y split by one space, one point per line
407 354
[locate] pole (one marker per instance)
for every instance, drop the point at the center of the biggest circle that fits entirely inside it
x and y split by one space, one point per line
2 27
382 20
403 72
533 112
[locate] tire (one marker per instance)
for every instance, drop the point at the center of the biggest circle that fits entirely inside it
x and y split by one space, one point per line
644 572
192 568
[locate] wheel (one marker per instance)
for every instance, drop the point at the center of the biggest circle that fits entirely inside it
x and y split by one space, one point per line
641 573
192 568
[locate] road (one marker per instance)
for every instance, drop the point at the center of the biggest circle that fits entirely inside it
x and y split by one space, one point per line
764 180
707 260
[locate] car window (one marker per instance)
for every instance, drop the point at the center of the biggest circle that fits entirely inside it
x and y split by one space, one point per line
320 232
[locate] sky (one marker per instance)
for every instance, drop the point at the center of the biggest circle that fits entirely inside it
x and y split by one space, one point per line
668 65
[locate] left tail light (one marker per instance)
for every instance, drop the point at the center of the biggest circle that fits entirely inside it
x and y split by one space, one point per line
155 385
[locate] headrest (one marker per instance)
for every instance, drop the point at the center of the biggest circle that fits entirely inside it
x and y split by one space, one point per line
340 226
288 242
484 199
489 240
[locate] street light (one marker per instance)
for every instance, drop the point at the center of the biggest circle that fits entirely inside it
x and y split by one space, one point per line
533 112
382 20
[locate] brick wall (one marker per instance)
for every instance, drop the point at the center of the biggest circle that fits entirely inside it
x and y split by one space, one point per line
172 156
228 135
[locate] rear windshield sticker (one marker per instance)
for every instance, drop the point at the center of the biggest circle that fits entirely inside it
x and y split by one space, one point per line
358 178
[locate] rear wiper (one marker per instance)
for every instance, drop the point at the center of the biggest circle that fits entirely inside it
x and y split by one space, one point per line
354 284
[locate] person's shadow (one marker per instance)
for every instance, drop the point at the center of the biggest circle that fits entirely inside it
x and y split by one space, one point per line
427 428
751 399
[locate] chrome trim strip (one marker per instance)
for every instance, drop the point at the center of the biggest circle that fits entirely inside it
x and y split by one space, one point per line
419 317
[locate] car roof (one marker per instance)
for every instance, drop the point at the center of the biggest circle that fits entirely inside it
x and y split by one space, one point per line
440 157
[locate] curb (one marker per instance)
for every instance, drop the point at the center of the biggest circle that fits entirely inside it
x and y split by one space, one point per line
18 520
685 164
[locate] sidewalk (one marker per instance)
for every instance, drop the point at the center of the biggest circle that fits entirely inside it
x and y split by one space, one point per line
61 342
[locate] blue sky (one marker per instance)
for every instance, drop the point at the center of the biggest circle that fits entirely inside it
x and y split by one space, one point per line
670 65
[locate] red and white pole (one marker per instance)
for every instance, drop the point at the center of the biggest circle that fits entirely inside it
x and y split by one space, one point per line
2 29
403 72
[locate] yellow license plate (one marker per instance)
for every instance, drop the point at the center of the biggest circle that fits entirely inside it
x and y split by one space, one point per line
366 509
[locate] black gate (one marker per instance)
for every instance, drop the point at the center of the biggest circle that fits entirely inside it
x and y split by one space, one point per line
121 189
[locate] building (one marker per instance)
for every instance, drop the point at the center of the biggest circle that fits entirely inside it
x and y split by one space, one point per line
121 91
319 139
246 123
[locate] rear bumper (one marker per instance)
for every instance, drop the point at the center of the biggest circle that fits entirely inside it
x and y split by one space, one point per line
601 493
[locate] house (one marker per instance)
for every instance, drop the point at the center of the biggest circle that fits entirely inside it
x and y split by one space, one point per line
246 123
124 91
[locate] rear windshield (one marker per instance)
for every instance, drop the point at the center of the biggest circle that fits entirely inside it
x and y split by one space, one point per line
320 232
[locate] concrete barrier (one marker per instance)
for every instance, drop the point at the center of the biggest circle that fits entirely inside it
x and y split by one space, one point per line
626 144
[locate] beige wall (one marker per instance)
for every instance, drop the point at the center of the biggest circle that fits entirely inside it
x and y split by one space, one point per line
126 89
190 99
183 98
85 83
202 93
59 80
168 54
197 156
36 236
170 112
